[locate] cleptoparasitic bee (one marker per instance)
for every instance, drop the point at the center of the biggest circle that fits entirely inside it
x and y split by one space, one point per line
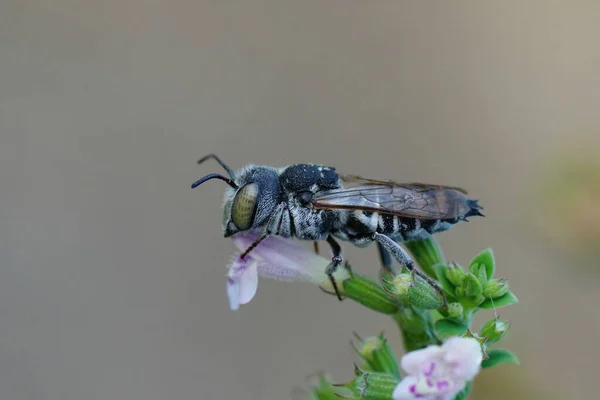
309 202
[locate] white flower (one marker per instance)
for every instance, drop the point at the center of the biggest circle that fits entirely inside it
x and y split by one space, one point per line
439 372
276 258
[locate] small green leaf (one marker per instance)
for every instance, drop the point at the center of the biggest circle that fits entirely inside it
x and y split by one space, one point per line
463 394
440 272
446 328
506 300
486 257
498 357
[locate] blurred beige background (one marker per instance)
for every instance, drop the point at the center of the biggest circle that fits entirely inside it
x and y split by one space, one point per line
112 269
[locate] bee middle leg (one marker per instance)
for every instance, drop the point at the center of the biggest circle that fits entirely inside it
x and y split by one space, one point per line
336 260
316 246
404 259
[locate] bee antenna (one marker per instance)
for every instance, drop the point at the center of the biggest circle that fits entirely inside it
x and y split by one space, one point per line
221 163
214 176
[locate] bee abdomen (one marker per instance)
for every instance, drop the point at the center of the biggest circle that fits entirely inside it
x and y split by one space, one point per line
401 229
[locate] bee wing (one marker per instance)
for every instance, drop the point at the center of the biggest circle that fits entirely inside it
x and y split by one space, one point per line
404 200
358 180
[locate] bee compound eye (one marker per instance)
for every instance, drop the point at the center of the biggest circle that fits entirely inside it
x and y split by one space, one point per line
305 198
243 208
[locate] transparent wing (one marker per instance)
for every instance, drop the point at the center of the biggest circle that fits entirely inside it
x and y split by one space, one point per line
358 180
410 200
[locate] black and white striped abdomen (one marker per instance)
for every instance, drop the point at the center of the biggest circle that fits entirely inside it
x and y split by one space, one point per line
401 229
361 225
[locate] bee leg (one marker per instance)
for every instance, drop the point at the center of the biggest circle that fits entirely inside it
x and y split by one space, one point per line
254 244
272 228
316 244
404 259
386 259
336 260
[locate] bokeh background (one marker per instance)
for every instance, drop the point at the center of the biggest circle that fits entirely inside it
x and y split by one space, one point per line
112 269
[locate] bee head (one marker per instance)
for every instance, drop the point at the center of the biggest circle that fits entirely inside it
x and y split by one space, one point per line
250 205
250 199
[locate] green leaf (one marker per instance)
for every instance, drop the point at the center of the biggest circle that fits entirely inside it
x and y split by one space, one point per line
446 328
440 272
506 300
463 394
486 257
498 357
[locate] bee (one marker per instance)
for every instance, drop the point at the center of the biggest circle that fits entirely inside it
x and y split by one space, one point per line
314 202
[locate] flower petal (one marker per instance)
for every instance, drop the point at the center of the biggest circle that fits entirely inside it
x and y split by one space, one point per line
271 271
248 283
281 252
464 355
416 361
286 259
233 293
405 389
242 281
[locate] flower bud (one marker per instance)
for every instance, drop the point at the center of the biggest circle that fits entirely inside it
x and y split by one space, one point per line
399 285
495 288
455 274
472 287
480 272
494 330
416 291
370 294
378 355
375 385
455 310
323 389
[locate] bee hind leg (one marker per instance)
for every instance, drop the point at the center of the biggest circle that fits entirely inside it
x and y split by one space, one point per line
404 259
386 259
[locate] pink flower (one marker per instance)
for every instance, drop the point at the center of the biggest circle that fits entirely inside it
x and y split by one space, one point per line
439 372
276 258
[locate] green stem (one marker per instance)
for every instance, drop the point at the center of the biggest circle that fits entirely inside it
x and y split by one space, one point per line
417 328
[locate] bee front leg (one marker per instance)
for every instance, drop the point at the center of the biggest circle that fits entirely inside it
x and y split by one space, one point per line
336 260
404 259
273 227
